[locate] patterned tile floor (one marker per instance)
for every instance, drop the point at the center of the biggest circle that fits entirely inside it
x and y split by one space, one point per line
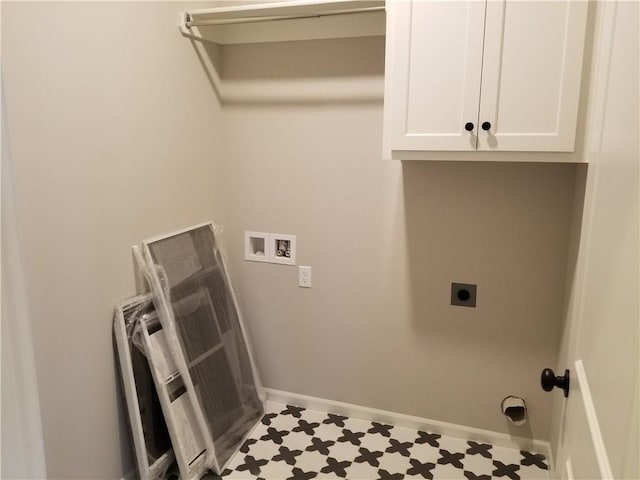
300 444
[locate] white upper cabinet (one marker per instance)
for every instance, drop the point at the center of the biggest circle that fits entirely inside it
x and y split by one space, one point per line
436 76
494 75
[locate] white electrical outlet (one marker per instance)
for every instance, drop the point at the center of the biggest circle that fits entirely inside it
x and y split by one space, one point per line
304 277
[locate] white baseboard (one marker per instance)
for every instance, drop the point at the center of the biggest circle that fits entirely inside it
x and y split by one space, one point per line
409 421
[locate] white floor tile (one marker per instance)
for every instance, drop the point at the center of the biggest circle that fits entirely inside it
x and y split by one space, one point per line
437 457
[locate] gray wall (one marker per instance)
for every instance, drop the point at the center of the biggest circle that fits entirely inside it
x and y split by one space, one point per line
114 138
385 240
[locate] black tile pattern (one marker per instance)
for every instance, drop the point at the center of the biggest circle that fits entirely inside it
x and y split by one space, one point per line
536 459
368 456
351 437
381 428
266 419
299 444
502 470
293 411
335 419
429 438
483 449
287 456
472 476
247 445
401 447
319 445
252 465
299 474
334 466
274 435
419 468
306 427
451 458
384 475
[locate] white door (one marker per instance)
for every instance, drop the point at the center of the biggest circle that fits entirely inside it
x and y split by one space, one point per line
531 75
598 423
435 63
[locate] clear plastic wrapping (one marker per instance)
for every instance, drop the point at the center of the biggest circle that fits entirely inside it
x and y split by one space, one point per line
179 412
148 429
204 333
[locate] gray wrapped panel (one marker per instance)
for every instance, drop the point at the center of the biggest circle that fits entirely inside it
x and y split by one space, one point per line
204 333
151 441
188 443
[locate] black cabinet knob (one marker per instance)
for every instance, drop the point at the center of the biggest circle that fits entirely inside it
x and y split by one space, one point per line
486 126
468 126
548 380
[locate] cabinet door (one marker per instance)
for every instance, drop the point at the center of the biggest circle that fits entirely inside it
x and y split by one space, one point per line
436 67
531 75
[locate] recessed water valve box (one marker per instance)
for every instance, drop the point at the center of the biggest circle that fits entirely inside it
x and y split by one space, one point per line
463 294
256 245
282 249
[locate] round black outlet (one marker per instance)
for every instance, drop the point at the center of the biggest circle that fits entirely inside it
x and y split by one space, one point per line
463 295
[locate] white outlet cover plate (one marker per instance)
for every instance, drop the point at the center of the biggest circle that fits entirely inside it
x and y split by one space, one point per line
273 257
304 276
249 246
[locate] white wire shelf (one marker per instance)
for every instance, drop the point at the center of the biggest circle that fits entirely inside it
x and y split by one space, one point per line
285 20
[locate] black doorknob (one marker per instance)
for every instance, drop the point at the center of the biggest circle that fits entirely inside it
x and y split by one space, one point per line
486 126
468 126
548 380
